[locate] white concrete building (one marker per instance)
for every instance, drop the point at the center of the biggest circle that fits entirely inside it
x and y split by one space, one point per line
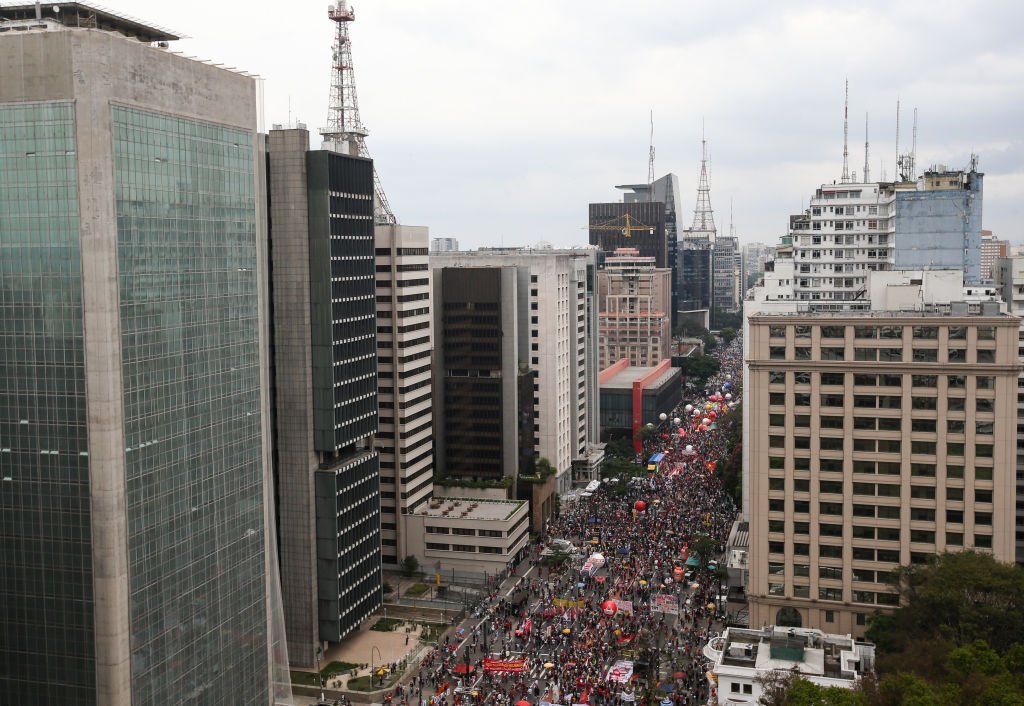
404 387
740 659
557 321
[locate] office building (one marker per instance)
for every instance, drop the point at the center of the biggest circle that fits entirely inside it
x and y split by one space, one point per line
325 389
633 396
444 245
696 275
664 191
726 277
634 301
515 334
136 560
991 249
404 348
874 440
741 660
635 224
1008 273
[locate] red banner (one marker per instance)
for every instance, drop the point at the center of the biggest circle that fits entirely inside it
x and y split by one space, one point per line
505 665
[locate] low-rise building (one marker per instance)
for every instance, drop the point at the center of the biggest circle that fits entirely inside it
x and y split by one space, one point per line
741 659
468 535
632 397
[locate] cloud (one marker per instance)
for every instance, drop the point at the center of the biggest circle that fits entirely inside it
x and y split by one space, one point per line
493 121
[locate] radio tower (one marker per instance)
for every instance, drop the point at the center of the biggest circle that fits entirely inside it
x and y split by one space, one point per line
703 216
344 128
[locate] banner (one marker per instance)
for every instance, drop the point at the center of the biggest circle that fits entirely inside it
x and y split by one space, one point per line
621 671
505 665
665 603
569 603
625 607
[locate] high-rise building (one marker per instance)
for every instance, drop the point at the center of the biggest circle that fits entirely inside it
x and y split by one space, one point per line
405 439
852 229
875 439
634 299
136 561
725 258
664 191
635 224
1008 273
991 249
696 276
542 327
325 389
754 257
444 245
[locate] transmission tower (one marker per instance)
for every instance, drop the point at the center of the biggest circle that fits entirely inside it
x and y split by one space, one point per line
845 179
703 216
344 128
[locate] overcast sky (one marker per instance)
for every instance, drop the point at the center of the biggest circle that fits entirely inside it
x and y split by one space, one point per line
497 123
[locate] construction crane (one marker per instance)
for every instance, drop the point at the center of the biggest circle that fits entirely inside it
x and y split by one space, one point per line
631 226
344 128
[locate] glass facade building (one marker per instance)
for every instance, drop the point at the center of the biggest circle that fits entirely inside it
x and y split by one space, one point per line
46 584
187 260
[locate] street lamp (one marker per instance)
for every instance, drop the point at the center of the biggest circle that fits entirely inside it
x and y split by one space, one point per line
373 648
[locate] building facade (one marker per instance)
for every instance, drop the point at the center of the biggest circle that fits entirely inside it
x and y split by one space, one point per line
632 397
636 224
325 390
444 245
1008 273
544 325
726 278
991 249
135 459
404 348
696 275
634 300
876 440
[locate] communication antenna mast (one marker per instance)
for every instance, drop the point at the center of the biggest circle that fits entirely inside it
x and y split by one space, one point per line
867 151
846 134
703 216
650 162
913 150
897 139
345 131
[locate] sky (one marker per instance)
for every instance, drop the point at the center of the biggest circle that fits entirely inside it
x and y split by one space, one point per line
497 123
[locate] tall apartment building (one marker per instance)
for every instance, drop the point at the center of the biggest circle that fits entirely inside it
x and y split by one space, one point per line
1008 273
634 303
664 191
876 439
135 495
726 277
404 348
991 249
852 229
325 389
544 324
754 256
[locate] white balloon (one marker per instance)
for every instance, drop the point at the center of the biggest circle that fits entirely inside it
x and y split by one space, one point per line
688 408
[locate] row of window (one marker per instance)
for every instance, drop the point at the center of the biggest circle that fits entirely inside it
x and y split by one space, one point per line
953 382
953 404
883 355
468 548
886 468
892 556
891 446
892 332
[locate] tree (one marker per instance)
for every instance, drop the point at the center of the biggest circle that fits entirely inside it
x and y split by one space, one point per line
780 688
960 598
704 547
710 342
410 565
728 334
700 368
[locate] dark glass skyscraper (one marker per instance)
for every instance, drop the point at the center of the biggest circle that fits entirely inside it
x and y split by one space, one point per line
325 389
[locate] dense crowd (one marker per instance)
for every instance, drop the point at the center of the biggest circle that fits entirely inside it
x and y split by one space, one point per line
639 590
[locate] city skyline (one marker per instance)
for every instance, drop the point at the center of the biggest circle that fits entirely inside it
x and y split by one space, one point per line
530 132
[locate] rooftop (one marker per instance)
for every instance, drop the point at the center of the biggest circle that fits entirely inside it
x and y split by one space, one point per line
624 379
15 17
810 652
470 508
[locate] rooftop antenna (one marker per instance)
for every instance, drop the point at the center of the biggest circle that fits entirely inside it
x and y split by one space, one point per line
732 227
650 163
703 216
913 150
345 131
897 139
867 151
845 179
